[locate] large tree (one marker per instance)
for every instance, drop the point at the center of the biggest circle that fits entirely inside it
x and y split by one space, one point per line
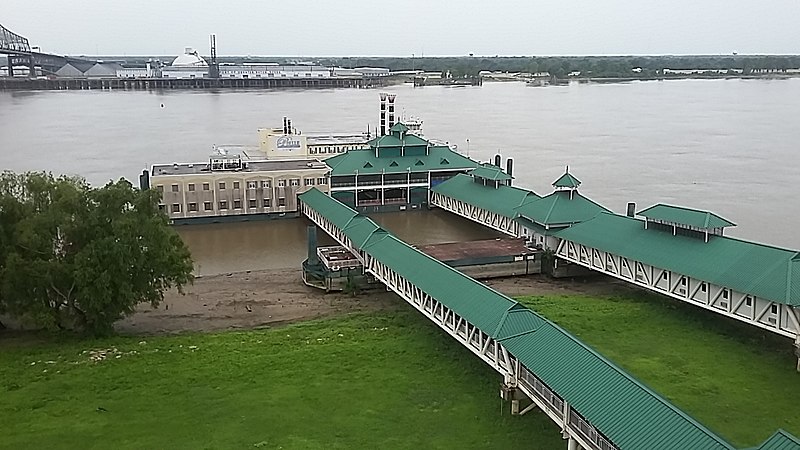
76 257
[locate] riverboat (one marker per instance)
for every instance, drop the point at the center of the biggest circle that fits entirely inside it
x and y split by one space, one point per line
392 169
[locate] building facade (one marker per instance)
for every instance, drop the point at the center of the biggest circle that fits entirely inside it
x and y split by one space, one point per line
395 172
229 186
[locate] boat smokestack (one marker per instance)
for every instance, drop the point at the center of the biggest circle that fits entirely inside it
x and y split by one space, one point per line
289 126
498 161
391 109
510 169
383 114
285 129
631 209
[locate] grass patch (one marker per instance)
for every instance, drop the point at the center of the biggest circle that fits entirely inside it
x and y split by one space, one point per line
385 381
733 378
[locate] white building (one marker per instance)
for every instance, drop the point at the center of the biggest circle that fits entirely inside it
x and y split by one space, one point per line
187 65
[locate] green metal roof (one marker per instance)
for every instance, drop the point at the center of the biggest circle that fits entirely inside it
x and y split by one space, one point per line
768 272
490 172
399 128
685 216
500 200
364 162
560 208
338 213
781 440
567 181
625 411
398 138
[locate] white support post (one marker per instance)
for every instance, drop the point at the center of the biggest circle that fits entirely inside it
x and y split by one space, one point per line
572 444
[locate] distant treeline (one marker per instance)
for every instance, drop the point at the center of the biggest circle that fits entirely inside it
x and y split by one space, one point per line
558 66
593 66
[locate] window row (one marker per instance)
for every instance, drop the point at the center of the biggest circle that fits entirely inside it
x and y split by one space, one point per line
223 205
265 184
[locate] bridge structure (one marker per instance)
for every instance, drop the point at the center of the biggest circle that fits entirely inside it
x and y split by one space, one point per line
596 404
20 53
674 251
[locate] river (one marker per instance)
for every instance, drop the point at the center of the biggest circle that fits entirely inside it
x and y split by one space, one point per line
729 146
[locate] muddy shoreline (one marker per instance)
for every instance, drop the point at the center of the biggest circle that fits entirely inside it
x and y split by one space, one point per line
264 298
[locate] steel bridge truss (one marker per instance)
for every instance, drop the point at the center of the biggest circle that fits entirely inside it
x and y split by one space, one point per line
477 214
776 317
12 43
578 432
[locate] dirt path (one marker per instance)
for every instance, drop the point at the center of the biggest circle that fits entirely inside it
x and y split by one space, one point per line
272 297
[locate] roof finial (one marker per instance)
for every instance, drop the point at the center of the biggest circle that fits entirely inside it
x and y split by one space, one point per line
567 171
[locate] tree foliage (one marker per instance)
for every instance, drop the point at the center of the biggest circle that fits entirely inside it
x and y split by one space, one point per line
81 258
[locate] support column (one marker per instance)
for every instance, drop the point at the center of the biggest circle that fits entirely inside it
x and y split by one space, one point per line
572 444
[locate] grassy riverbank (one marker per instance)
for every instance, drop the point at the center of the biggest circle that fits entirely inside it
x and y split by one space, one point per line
734 379
389 380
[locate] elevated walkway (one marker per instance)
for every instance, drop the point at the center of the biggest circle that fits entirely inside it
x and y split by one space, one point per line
683 254
596 404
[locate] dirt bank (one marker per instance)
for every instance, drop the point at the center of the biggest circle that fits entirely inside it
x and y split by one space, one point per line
272 297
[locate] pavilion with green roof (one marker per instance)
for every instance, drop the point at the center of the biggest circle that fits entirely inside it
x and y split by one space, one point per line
679 219
562 208
395 172
567 181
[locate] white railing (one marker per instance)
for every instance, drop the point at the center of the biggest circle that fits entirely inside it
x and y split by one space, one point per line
470 336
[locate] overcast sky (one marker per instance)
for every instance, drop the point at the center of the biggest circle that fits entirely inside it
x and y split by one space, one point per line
405 27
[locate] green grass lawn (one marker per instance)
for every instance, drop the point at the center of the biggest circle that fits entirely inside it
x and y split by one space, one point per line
736 380
386 381
391 380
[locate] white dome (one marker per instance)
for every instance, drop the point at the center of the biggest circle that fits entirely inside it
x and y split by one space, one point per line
189 58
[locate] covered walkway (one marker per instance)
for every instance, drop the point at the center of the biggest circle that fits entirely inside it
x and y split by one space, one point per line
675 251
596 404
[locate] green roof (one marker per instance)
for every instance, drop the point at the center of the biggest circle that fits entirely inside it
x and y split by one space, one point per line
398 139
625 411
768 272
560 208
567 181
781 440
399 128
338 215
490 172
686 216
500 200
365 162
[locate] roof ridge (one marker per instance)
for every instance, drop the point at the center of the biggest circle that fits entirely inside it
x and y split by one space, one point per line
500 322
552 207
